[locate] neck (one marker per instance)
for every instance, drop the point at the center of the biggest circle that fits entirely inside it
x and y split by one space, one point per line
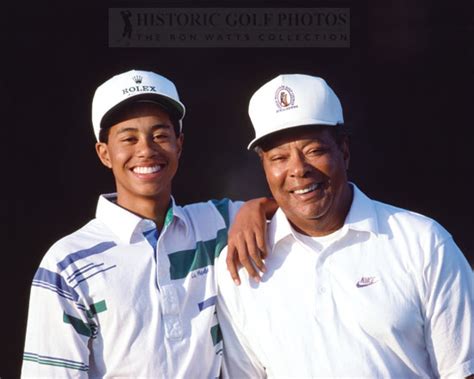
151 208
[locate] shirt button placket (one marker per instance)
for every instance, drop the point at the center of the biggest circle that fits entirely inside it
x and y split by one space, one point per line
322 290
171 316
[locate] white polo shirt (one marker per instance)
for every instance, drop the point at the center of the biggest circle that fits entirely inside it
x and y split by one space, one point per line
391 297
115 300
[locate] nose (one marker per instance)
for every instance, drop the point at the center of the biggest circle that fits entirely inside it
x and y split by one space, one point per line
298 167
146 147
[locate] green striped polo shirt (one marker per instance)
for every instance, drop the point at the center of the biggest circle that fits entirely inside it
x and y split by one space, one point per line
118 298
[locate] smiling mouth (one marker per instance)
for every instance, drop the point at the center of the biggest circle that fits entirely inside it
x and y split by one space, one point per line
311 188
146 170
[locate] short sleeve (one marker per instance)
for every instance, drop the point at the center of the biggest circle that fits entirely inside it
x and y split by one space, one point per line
58 329
228 209
449 316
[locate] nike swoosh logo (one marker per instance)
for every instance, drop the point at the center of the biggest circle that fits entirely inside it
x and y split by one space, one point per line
360 285
366 281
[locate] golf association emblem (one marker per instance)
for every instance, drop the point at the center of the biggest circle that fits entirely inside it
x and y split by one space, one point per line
284 98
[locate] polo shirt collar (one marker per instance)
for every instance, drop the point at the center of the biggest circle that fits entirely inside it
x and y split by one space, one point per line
361 217
278 229
127 226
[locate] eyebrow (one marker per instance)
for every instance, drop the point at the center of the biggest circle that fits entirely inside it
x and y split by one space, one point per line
154 127
307 141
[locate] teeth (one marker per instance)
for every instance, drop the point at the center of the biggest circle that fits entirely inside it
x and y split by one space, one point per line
306 190
146 170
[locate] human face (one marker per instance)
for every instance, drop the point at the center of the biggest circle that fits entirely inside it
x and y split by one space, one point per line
306 172
143 153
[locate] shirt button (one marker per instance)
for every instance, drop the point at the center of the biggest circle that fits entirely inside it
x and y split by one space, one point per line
322 290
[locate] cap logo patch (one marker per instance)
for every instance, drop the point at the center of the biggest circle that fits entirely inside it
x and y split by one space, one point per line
284 99
131 90
137 79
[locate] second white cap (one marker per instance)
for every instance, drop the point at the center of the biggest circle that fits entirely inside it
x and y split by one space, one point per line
293 100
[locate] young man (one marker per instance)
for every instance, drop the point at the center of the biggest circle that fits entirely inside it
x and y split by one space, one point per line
354 287
133 292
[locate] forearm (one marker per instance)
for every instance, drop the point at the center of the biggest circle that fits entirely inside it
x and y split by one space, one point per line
247 237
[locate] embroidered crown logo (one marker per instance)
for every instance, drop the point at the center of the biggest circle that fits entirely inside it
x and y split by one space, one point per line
137 79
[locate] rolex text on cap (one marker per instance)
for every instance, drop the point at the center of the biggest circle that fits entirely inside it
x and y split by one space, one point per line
134 85
292 100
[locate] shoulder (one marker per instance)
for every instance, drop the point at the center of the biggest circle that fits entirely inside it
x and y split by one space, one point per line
419 240
93 235
410 223
220 212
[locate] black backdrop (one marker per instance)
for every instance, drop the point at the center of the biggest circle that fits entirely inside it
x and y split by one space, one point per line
405 85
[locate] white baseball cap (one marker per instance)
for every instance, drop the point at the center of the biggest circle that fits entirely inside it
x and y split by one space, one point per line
288 101
134 85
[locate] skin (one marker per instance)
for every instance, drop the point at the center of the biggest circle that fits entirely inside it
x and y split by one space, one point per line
246 247
299 159
143 137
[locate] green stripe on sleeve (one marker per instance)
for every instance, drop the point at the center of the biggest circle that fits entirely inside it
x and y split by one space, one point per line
223 207
57 362
185 261
221 242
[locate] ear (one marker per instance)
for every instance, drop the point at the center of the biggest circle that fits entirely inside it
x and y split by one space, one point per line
102 151
179 144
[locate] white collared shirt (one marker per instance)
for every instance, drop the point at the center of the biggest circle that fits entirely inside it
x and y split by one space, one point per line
118 299
392 297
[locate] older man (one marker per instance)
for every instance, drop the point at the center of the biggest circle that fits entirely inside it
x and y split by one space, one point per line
354 287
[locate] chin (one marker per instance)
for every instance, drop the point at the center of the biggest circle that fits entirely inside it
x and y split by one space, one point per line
314 214
152 195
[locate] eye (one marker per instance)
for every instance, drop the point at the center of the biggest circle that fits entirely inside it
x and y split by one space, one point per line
316 151
128 139
161 137
277 158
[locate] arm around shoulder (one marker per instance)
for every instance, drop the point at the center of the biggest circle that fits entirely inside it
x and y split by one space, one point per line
247 237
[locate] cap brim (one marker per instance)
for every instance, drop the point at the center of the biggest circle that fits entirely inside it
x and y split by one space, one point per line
257 140
165 102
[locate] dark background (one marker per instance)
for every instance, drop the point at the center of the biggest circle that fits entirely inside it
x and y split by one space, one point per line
405 85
